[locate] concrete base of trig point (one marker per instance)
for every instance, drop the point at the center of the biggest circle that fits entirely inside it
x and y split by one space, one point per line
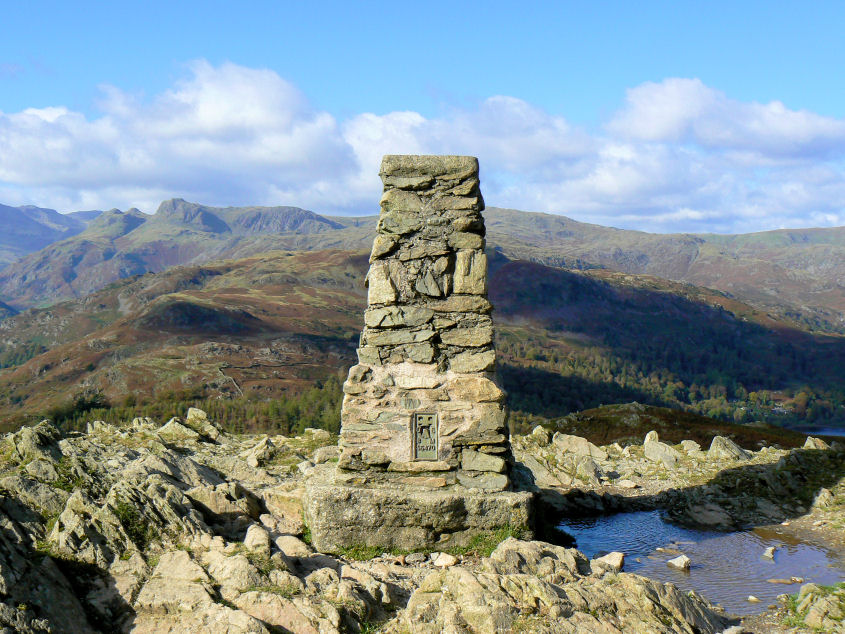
340 513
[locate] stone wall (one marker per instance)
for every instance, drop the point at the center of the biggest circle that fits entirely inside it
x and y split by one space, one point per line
423 397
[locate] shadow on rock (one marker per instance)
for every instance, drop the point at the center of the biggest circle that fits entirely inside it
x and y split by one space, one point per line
41 591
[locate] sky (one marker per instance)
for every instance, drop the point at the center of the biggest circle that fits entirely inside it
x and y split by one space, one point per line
661 116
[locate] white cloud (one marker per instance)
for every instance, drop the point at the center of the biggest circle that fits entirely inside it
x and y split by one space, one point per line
226 135
677 156
685 110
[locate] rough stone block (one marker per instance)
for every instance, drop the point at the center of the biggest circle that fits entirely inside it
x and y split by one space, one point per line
382 245
422 166
468 362
479 389
468 337
401 201
462 240
340 515
470 273
485 481
472 460
381 289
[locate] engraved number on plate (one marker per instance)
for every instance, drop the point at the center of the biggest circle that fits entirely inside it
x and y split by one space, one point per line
425 436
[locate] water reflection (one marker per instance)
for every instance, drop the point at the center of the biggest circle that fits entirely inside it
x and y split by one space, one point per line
726 567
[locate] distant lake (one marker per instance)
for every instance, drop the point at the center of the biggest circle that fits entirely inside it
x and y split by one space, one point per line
820 431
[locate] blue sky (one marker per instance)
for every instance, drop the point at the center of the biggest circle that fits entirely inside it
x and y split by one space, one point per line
665 116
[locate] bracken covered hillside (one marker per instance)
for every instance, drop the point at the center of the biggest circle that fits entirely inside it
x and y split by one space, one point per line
261 330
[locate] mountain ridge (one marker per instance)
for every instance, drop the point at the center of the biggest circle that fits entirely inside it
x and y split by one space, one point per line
28 228
792 273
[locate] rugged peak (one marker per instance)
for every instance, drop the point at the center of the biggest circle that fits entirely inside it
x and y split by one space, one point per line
191 215
264 220
114 223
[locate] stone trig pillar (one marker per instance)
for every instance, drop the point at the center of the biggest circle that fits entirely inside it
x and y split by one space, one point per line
423 420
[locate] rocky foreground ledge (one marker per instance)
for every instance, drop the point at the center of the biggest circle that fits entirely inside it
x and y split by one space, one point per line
183 528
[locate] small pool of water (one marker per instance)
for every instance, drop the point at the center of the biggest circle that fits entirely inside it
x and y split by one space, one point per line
726 567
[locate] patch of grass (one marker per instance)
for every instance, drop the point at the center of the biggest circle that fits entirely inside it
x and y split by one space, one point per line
359 552
288 591
261 561
137 528
794 618
483 544
68 479
50 524
306 534
45 548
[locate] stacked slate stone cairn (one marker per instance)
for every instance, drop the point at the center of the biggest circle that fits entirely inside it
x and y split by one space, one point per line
422 411
427 344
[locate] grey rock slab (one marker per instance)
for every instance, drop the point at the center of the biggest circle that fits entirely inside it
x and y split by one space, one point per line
468 337
824 499
397 316
815 443
577 445
401 200
278 611
397 337
40 441
690 446
469 362
234 572
461 304
380 287
417 166
292 546
589 469
398 223
177 584
657 451
444 560
476 461
612 561
518 577
462 240
483 480
257 539
681 562
722 448
43 497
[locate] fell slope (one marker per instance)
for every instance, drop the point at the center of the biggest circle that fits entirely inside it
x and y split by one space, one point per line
260 327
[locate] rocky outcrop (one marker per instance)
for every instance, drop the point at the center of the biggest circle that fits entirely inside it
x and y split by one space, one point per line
820 608
153 532
727 487
536 587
